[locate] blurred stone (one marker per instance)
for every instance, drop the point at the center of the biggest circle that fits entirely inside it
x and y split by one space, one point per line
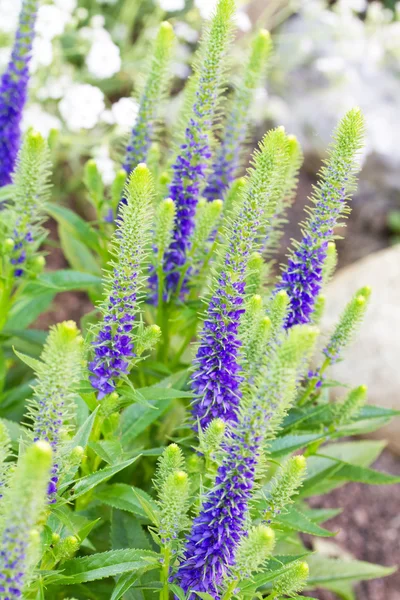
374 356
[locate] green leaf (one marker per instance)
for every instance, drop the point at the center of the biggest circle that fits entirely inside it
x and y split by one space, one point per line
153 393
65 280
75 225
148 506
297 521
125 497
328 570
361 453
125 582
203 595
77 253
107 564
33 363
127 531
83 485
177 591
364 475
289 443
137 417
27 309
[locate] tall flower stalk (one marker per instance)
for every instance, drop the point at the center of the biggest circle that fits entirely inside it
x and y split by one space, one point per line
194 155
114 345
24 501
142 133
303 276
229 153
216 533
52 408
14 90
216 378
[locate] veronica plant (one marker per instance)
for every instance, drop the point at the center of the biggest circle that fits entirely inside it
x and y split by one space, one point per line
172 451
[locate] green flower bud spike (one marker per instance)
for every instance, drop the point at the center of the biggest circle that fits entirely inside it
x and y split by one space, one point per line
171 460
285 486
53 408
143 132
5 447
22 514
254 550
349 321
294 580
347 410
173 502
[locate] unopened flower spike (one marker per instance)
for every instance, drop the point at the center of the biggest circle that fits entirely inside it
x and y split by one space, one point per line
194 155
30 191
292 581
254 549
52 408
302 277
274 233
347 410
229 154
21 519
348 324
285 485
114 343
14 90
220 526
143 132
216 378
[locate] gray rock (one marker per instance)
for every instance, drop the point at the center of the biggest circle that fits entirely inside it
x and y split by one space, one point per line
373 358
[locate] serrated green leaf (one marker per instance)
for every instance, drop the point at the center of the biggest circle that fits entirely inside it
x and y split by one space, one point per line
360 453
74 224
149 507
125 497
77 253
125 582
297 521
106 564
137 417
289 443
328 570
33 363
64 281
85 484
27 309
275 566
127 531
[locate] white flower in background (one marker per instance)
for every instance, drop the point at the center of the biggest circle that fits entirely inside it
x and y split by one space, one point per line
171 5
103 59
42 54
206 7
35 116
107 117
125 112
67 5
185 32
5 54
9 11
97 21
55 87
51 21
82 106
243 21
105 165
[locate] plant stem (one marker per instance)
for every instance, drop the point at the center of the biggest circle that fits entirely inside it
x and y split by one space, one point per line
164 576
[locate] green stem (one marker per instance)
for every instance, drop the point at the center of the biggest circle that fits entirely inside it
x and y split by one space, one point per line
230 590
312 384
164 576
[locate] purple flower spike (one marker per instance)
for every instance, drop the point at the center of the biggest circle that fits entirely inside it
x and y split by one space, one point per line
13 91
302 278
216 532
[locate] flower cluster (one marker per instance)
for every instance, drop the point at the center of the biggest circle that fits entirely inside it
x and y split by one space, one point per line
143 131
31 190
216 378
13 91
52 408
114 343
20 529
190 165
227 160
216 532
302 278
